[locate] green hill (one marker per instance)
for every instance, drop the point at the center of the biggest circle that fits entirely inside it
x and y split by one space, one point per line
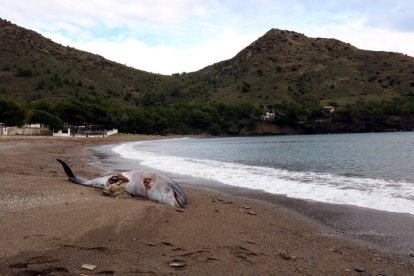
280 65
283 70
33 67
287 66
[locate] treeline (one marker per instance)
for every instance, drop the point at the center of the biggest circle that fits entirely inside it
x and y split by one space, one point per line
362 116
372 116
214 118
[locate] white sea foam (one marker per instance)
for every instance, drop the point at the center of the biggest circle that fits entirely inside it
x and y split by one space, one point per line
364 192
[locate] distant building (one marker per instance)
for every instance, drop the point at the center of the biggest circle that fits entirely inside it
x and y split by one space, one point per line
25 130
268 116
329 108
34 125
80 131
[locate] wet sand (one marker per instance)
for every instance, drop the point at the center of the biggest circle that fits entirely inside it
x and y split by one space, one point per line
382 230
51 226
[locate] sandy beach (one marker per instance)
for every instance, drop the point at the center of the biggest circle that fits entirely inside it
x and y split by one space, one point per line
50 226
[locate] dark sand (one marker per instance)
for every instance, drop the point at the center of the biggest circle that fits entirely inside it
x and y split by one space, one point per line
51 226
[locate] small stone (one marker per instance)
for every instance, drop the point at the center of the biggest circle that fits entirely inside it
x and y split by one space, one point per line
288 257
179 210
151 244
177 264
251 241
251 213
88 266
359 269
285 256
348 270
247 207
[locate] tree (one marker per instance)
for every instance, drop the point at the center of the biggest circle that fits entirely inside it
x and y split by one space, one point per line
10 113
74 112
44 117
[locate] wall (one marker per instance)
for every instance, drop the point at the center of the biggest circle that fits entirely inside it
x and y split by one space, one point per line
26 131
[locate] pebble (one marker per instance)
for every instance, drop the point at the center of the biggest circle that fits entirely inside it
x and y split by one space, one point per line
251 213
359 269
88 266
287 257
151 244
177 264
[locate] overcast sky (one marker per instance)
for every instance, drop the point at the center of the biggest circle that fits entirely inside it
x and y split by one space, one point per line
169 36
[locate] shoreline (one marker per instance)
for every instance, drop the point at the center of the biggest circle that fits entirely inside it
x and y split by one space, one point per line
52 226
386 231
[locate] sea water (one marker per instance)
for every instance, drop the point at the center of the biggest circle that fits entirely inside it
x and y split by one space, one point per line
374 170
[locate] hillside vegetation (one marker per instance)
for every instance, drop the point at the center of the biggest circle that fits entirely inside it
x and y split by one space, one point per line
284 71
287 66
34 67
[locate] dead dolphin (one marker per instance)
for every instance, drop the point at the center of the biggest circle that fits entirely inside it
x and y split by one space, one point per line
149 184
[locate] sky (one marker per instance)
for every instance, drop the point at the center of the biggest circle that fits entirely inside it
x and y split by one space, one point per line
175 36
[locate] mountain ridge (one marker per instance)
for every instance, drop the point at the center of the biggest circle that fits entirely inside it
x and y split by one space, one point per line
280 66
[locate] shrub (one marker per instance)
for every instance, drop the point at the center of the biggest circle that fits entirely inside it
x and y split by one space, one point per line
11 113
24 73
245 87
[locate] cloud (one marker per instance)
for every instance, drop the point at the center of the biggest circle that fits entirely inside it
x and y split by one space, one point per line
168 36
377 39
363 29
49 14
165 59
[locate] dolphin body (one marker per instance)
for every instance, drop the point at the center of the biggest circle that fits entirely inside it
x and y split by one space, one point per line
147 184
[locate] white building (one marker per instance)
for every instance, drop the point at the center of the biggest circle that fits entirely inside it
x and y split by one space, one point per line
2 129
268 116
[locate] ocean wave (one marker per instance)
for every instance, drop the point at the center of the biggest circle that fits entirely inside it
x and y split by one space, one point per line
325 187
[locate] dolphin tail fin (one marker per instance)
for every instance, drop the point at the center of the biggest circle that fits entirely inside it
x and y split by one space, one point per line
72 177
179 195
